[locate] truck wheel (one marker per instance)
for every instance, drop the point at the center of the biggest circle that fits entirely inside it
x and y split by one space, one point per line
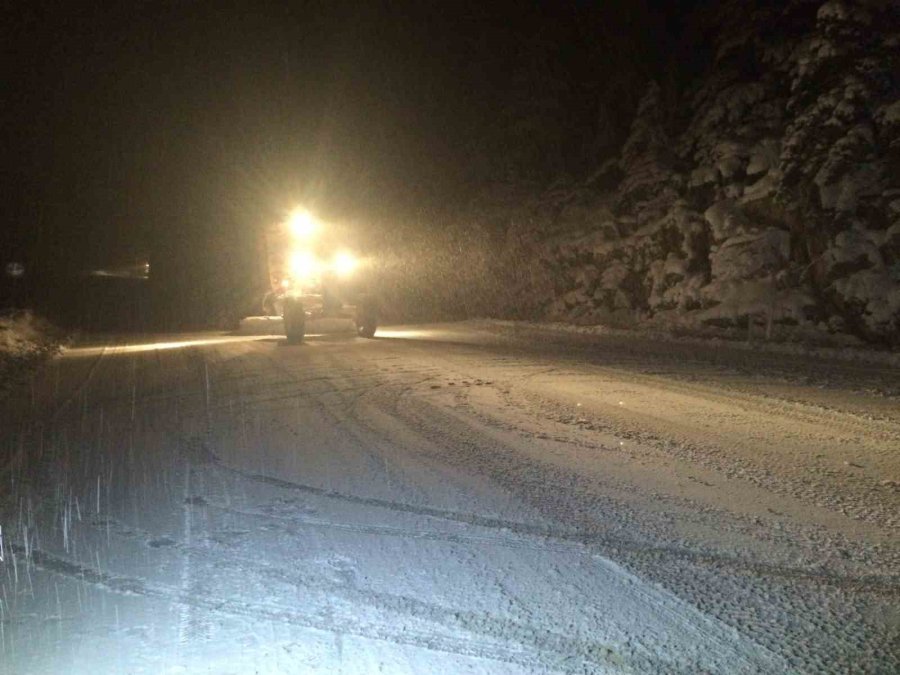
366 317
366 329
294 320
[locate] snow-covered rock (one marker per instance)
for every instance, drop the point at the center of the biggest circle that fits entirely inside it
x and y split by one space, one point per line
772 191
752 255
22 334
24 340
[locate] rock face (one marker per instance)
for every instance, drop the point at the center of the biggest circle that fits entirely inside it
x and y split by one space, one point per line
768 191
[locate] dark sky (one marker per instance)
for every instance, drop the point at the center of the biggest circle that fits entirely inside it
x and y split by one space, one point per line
125 123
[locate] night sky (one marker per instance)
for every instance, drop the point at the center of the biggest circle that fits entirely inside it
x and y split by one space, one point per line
130 125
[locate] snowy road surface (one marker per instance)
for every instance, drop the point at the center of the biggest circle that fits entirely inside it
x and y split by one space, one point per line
464 498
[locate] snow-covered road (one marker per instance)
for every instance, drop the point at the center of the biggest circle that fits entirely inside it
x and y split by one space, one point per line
462 498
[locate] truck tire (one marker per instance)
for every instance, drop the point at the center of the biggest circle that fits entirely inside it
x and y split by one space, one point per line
294 320
366 318
366 329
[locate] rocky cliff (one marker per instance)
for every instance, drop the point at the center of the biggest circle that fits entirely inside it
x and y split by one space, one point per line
764 192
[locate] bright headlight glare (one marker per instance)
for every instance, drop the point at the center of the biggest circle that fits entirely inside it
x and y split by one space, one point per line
302 224
344 264
303 265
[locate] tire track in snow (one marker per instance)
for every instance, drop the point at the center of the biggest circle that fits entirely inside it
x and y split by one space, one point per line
553 651
863 497
381 530
464 443
400 507
888 587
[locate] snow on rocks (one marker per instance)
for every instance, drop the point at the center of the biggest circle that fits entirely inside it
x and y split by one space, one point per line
25 340
23 337
750 255
778 190
866 290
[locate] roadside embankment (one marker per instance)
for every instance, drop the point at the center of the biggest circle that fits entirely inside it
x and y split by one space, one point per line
25 341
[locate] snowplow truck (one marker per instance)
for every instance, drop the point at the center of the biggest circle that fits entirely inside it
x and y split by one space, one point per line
316 285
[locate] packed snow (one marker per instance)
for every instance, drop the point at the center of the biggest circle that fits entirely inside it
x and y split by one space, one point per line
482 497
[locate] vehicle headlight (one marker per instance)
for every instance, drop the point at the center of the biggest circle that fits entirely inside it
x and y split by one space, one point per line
344 264
302 224
303 265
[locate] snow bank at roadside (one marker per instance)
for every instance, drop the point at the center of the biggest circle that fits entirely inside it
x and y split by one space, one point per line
24 337
845 352
261 325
